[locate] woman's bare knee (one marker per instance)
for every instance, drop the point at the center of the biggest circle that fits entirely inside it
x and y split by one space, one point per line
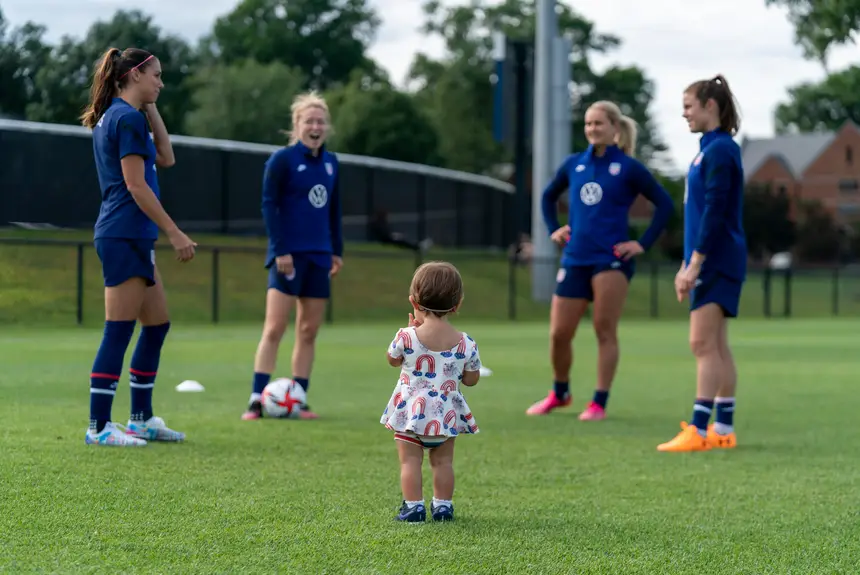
560 336
278 307
309 317
154 308
606 331
307 331
565 315
706 330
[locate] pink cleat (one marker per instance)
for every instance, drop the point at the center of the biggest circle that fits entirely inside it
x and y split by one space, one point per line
306 413
546 405
255 411
593 412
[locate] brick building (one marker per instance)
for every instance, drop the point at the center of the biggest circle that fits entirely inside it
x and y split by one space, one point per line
822 166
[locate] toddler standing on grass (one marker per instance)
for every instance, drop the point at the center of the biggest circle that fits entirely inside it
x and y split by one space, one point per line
427 409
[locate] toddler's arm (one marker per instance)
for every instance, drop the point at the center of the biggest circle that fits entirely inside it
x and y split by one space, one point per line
395 354
472 369
470 378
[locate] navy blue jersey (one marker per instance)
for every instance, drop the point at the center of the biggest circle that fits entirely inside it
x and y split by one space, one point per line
122 131
602 190
301 203
713 207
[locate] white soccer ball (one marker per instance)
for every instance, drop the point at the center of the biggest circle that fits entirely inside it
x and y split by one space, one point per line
283 397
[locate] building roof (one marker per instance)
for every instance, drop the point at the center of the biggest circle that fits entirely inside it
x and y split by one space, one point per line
795 151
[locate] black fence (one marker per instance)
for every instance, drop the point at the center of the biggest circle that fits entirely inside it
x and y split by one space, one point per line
47 176
55 282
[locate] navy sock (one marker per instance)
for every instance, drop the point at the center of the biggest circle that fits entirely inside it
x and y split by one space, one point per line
107 368
725 410
261 380
561 389
144 368
702 414
600 398
303 381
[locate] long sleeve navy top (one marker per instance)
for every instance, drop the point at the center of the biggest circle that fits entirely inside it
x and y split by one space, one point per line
713 207
602 190
301 204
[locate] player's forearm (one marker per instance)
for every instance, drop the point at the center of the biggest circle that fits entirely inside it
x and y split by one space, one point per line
697 259
663 210
149 205
549 210
274 229
712 221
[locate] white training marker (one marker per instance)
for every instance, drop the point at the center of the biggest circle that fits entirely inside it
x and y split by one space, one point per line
189 386
486 371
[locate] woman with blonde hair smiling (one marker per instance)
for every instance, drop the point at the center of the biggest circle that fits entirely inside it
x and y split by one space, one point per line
301 209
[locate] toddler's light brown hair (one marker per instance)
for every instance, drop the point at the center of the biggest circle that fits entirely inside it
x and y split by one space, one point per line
437 288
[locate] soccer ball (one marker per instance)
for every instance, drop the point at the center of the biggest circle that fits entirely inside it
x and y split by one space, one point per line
283 397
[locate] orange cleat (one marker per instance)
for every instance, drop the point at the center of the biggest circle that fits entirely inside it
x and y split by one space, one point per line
688 439
718 441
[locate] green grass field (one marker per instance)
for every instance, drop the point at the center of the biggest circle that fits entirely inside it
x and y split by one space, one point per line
39 284
534 495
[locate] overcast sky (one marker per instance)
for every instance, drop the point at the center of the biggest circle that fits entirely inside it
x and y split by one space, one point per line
675 41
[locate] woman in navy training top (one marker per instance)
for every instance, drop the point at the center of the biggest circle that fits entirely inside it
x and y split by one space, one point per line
122 102
714 267
597 263
301 209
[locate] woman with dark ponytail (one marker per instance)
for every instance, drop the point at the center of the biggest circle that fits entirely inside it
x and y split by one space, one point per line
121 113
714 267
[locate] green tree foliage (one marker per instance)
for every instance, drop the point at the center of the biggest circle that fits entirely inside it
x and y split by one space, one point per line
767 221
822 106
63 80
458 96
246 101
327 39
239 81
373 118
22 53
819 238
821 24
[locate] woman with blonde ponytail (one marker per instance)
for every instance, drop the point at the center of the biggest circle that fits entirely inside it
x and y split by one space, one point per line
129 142
597 263
626 137
301 210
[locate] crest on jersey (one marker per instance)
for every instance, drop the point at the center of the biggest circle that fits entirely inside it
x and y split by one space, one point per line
580 168
329 169
591 193
614 168
698 159
318 196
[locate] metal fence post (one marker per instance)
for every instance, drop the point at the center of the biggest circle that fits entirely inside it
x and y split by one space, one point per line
655 289
766 292
512 288
216 273
80 290
835 291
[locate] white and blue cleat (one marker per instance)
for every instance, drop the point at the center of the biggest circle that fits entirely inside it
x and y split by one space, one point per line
154 429
114 435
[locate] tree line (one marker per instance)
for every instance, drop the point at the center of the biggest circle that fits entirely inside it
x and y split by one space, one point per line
237 82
